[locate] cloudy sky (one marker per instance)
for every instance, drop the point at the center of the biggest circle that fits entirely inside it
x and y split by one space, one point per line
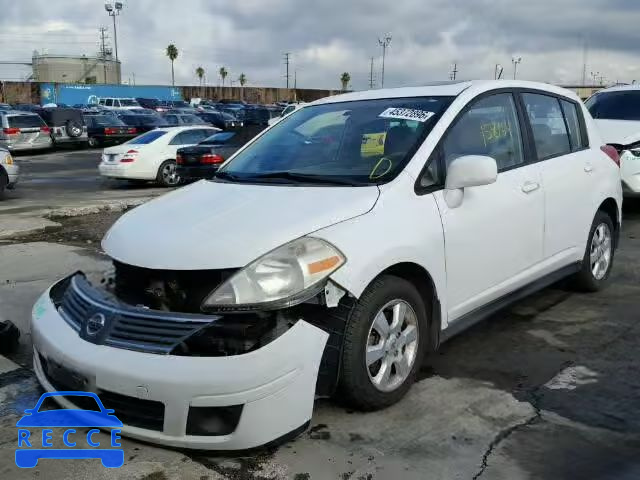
328 37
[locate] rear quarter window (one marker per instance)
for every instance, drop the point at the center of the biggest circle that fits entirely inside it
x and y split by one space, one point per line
147 138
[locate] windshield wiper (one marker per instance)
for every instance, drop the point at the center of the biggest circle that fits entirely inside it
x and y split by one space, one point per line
304 178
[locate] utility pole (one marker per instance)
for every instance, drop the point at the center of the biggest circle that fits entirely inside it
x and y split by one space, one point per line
515 62
497 72
103 51
286 62
585 52
295 85
371 75
454 72
384 43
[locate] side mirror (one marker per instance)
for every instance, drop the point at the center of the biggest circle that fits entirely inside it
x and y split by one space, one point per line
468 171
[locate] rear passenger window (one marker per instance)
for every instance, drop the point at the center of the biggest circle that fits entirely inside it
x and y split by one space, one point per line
109 102
571 113
490 127
547 122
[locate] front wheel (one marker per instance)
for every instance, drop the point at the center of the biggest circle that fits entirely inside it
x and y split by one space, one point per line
384 344
598 257
167 174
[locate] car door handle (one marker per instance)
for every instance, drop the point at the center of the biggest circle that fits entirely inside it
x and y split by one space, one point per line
530 187
588 168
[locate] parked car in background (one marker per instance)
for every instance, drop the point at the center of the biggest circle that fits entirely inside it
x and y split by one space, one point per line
108 129
119 103
180 119
286 111
184 110
148 103
616 112
66 124
203 160
256 115
143 123
21 130
152 155
6 106
8 170
221 120
237 111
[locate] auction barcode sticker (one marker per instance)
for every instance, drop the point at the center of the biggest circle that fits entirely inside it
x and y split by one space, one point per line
407 114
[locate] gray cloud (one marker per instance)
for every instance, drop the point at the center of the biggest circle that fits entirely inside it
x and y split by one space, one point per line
328 37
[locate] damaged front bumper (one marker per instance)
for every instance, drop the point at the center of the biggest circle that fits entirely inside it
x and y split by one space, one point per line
218 403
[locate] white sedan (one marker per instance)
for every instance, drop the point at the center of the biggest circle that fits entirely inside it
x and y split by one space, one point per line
152 155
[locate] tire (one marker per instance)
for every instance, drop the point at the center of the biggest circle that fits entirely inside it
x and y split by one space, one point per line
164 178
357 384
93 142
4 182
74 128
588 279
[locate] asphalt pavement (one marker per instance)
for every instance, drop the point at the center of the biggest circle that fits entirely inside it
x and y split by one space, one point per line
548 389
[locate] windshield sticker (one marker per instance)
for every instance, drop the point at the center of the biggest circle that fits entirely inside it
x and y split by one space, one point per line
407 114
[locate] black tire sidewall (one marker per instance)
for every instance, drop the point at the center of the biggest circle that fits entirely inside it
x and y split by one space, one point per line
355 384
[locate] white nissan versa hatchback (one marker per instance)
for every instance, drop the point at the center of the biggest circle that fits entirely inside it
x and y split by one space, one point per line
311 266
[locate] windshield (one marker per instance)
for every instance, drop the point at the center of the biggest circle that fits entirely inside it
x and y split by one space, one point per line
362 142
622 105
102 121
147 138
128 102
193 119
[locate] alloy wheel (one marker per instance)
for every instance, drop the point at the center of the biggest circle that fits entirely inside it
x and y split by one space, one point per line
392 345
600 253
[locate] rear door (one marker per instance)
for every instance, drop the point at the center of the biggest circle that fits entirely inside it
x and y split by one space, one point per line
493 240
568 174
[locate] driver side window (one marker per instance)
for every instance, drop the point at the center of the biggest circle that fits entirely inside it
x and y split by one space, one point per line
489 127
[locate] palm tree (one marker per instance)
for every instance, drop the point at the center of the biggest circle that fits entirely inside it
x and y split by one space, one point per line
345 78
172 53
243 80
200 75
223 74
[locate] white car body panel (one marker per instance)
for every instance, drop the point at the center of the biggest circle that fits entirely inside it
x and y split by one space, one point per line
150 156
275 383
210 210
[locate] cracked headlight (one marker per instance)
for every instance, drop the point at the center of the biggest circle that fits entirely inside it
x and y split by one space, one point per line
283 277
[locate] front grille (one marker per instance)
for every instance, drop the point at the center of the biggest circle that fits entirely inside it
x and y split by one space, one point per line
133 328
132 411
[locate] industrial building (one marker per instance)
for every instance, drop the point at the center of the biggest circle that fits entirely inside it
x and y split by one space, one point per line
75 69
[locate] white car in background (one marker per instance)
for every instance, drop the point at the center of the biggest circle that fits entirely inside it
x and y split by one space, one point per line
287 111
152 156
616 112
119 103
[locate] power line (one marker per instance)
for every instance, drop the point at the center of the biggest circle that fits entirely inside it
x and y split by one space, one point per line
286 61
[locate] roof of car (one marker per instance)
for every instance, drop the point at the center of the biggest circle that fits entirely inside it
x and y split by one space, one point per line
17 112
442 89
620 88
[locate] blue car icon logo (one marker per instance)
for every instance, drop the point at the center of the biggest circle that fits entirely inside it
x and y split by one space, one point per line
32 446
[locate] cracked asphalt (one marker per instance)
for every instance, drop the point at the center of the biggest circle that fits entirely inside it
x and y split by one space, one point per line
548 389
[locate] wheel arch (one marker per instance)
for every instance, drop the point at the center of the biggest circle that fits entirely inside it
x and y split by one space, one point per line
418 276
610 207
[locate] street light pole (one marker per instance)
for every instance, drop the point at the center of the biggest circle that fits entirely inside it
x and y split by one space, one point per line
384 43
515 62
114 10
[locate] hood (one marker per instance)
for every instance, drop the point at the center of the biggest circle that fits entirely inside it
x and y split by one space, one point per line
211 225
621 132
